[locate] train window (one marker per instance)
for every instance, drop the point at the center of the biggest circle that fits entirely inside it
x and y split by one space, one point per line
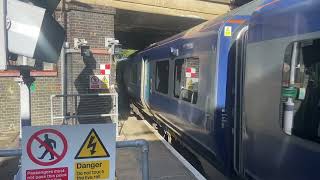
134 75
186 79
177 77
162 76
301 90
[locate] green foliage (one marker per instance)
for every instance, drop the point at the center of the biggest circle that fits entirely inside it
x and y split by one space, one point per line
126 53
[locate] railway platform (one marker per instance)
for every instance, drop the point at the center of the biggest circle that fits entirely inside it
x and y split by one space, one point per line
164 162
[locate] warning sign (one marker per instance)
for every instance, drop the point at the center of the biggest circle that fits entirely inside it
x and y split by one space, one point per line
191 72
105 69
48 174
92 147
48 145
228 31
105 82
94 82
92 170
69 152
99 82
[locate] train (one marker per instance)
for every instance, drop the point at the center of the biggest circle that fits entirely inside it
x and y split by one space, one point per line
242 91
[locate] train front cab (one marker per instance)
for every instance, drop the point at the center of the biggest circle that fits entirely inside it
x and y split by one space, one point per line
269 143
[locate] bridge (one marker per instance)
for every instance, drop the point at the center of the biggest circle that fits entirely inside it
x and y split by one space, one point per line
139 23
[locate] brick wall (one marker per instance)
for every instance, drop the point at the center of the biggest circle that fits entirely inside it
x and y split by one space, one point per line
9 105
93 24
40 99
90 22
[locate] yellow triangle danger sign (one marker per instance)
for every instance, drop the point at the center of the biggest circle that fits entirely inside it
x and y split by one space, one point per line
92 147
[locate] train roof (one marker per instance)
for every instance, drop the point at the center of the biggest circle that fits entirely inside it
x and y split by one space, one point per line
260 13
293 17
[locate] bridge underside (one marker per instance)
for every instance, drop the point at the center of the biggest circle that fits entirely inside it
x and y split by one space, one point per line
139 23
136 30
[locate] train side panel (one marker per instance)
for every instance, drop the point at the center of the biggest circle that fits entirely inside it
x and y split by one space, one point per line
269 152
132 77
196 110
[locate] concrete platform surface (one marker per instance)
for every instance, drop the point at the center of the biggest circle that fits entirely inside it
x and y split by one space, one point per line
163 164
8 165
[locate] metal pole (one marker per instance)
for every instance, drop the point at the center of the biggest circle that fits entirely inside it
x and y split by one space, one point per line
294 59
10 152
3 35
289 105
51 108
25 100
64 80
117 115
24 60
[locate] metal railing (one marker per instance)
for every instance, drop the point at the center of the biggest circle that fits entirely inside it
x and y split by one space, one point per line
74 107
142 144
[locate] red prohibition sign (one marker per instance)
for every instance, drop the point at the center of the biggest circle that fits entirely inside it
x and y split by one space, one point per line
58 157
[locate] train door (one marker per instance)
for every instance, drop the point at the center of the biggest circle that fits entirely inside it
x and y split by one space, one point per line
235 95
281 105
145 81
240 57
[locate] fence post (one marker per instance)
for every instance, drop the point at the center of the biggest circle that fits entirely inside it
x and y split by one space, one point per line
3 35
144 145
117 115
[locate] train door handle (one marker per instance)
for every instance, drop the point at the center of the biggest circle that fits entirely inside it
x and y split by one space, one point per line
208 115
223 123
224 119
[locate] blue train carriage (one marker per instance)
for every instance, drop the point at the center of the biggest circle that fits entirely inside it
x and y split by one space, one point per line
227 89
281 92
180 84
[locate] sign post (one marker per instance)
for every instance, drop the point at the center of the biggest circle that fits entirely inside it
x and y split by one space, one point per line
69 152
3 35
25 82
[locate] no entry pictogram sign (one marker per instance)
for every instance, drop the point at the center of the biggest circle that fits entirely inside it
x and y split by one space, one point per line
63 152
46 141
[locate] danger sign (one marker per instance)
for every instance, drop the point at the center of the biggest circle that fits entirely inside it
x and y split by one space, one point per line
92 148
69 152
92 170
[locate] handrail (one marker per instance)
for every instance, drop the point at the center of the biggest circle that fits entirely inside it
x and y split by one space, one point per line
140 143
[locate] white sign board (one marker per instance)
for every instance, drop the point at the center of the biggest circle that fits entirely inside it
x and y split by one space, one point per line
99 82
69 152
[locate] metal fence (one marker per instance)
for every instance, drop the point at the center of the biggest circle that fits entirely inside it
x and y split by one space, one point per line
88 108
85 109
142 144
